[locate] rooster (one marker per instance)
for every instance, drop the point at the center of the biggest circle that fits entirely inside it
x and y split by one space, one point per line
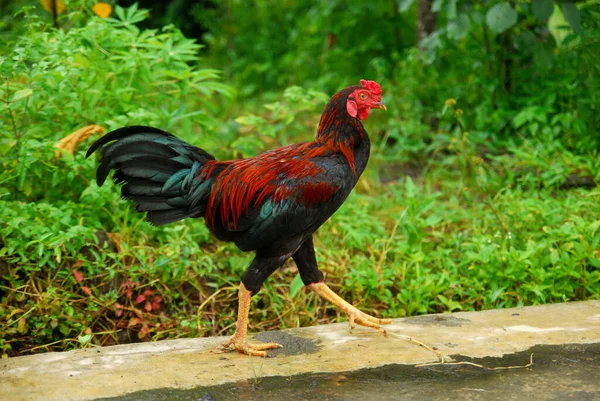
270 204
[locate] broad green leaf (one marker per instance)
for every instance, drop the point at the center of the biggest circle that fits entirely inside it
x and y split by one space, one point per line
526 41
554 257
437 5
496 294
451 9
542 9
296 286
458 28
572 15
556 25
476 17
84 339
7 144
501 17
409 187
21 94
594 262
404 5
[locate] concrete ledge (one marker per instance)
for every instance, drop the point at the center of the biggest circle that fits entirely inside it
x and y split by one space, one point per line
187 363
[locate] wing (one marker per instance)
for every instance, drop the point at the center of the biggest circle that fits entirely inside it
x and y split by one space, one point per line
279 195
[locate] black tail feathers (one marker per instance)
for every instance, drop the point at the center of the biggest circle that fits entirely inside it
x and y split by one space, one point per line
159 172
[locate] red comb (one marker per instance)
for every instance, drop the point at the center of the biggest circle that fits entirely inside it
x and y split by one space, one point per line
372 86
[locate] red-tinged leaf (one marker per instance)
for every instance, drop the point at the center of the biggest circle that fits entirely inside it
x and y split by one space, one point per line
141 334
78 275
156 301
144 331
129 293
140 298
120 313
148 307
148 293
133 321
87 290
77 264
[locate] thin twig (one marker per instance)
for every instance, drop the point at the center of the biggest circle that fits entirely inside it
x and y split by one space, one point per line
530 364
24 112
420 344
442 358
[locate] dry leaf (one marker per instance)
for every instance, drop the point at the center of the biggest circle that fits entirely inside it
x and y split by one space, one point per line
22 326
47 4
102 10
117 239
70 142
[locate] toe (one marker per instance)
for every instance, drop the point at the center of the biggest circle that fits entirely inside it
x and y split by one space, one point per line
243 347
264 346
374 319
253 352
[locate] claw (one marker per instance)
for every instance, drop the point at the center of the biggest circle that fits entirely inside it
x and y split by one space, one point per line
240 345
239 341
351 319
355 316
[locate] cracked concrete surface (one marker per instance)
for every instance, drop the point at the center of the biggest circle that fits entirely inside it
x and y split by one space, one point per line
189 363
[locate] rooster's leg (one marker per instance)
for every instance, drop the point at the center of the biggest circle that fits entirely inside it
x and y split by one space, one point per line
239 341
312 277
355 316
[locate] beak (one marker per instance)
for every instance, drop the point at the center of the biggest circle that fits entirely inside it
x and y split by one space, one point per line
380 105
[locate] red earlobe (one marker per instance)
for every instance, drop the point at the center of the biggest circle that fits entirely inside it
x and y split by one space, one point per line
352 108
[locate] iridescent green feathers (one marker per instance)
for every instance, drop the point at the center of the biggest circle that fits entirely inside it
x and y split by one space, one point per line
158 171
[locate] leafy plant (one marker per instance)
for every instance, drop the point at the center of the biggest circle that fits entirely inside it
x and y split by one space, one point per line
105 72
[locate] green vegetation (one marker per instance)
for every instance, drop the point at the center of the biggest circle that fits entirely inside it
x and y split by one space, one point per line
481 191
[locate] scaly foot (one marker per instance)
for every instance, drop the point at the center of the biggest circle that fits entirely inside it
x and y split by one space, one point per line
239 341
355 316
235 343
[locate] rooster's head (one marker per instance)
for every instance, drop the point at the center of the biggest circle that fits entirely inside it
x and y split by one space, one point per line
362 100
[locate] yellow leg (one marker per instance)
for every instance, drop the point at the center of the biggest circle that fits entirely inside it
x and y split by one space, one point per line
239 341
355 316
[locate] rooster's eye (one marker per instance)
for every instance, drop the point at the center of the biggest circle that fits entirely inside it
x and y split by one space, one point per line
363 96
